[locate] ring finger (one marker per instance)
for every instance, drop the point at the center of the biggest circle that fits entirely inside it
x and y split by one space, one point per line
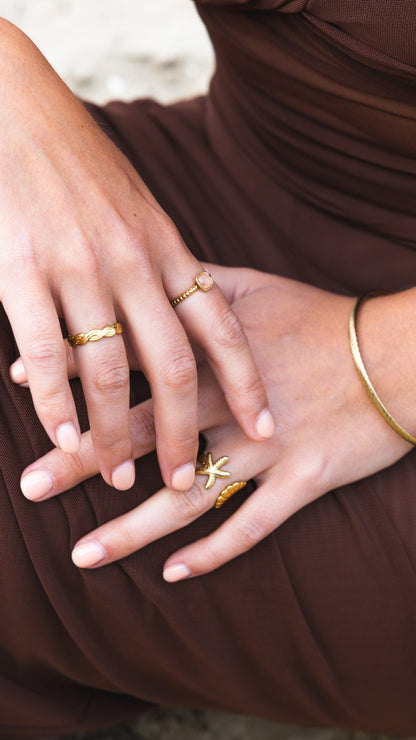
231 462
165 355
103 368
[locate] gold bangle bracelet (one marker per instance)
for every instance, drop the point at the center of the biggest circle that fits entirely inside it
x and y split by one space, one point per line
359 364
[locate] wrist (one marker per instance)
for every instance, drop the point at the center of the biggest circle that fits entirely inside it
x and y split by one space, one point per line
387 341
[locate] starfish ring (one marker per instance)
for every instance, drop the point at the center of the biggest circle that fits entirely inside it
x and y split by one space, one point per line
212 469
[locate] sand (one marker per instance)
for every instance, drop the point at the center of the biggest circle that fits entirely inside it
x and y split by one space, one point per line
119 48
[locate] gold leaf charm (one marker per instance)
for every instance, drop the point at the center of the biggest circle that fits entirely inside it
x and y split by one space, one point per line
228 492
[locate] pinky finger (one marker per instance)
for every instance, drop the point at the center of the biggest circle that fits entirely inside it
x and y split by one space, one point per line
19 375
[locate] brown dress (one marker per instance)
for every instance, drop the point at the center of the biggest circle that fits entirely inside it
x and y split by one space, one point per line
301 161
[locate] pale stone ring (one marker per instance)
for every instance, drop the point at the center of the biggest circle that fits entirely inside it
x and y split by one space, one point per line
203 281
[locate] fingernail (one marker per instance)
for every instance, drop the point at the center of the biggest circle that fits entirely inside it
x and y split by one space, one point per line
123 477
88 554
37 484
182 478
176 572
265 426
18 372
68 438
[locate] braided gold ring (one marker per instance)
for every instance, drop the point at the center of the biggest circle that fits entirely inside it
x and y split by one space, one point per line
203 281
95 335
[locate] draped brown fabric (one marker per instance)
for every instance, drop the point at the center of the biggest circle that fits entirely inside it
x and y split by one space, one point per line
301 161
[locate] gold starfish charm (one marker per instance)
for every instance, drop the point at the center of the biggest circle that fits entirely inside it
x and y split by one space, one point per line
211 469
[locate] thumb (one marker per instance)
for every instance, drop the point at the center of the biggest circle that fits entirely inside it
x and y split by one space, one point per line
235 282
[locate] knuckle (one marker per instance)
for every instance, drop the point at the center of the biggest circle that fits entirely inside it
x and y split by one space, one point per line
129 240
28 261
166 228
89 261
248 533
68 470
98 260
142 426
212 556
134 241
109 445
228 330
109 378
180 369
171 236
46 352
121 542
76 466
51 397
184 442
316 473
251 387
87 258
191 504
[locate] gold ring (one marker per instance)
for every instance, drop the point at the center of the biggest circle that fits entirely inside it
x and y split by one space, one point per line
95 334
228 492
212 469
203 281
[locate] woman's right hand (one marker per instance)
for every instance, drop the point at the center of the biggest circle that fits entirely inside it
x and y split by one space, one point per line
81 237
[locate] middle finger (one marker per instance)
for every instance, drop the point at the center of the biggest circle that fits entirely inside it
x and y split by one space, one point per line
167 360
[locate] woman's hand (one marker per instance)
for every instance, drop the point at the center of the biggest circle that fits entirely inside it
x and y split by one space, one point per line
81 237
328 432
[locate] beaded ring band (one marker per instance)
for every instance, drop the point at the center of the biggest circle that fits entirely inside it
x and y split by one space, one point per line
203 281
359 364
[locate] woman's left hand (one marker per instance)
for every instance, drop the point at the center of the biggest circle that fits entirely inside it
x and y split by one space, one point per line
328 433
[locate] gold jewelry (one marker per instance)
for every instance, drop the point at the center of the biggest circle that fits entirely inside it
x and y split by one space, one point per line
203 281
359 364
211 469
95 334
228 492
